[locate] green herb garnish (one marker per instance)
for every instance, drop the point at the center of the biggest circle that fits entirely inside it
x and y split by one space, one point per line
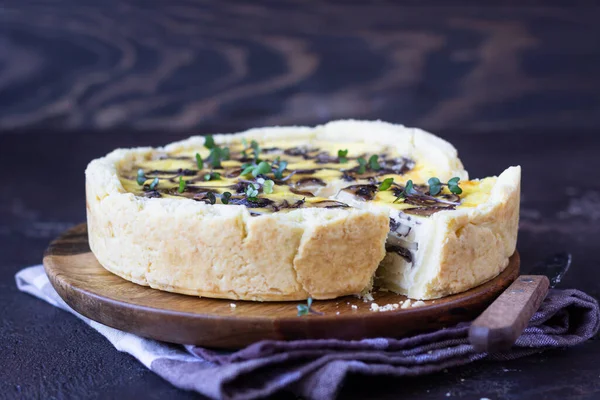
362 165
225 197
453 185
215 157
225 153
251 193
182 184
373 163
435 186
199 161
268 186
386 184
211 197
141 177
409 189
304 309
261 169
213 176
209 142
342 156
154 184
256 148
281 166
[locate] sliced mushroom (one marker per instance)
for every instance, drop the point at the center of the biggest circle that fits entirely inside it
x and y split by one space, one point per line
303 151
365 192
261 202
232 172
426 211
308 186
451 197
401 251
152 194
325 158
269 150
421 201
329 204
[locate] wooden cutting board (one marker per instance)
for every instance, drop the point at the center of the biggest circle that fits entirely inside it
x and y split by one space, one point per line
106 298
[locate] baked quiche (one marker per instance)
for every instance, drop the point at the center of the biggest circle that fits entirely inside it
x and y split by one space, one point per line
288 213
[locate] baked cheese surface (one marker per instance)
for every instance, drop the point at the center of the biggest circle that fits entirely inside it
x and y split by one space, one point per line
303 174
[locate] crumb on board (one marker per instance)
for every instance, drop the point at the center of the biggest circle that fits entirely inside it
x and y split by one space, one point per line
232 305
337 313
354 306
394 306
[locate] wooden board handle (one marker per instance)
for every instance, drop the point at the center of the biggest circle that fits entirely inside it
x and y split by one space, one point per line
499 326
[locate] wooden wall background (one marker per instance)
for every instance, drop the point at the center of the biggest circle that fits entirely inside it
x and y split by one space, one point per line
224 65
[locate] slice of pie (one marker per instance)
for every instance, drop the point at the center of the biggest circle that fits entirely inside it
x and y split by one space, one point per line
287 213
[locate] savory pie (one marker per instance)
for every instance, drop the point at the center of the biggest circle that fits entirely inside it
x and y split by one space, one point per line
288 213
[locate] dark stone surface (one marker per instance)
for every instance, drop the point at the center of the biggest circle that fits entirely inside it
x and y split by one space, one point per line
506 84
46 353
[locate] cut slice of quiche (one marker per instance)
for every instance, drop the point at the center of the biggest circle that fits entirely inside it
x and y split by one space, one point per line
288 213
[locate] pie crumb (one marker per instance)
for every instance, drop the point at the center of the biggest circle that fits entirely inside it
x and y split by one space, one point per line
374 307
232 305
406 304
418 303
354 306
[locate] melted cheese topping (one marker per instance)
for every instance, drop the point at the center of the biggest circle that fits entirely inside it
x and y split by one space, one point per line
314 177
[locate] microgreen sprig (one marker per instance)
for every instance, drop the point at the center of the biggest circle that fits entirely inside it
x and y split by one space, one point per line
409 189
268 186
199 161
453 185
386 184
362 165
251 192
212 176
141 177
435 186
262 168
182 185
225 197
305 309
211 197
342 156
256 148
280 167
217 154
373 163
209 142
154 184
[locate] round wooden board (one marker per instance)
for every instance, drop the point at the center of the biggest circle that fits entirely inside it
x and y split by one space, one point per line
98 294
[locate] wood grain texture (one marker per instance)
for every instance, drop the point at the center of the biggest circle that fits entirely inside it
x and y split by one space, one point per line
184 65
96 293
499 326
